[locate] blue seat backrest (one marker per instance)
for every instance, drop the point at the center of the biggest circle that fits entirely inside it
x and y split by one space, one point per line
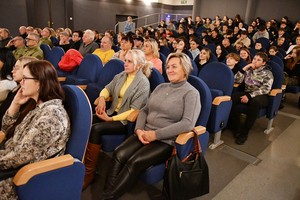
55 56
277 73
205 97
109 71
155 79
212 58
195 69
46 49
278 60
282 51
218 76
163 58
81 118
253 52
211 46
90 67
164 50
116 48
264 41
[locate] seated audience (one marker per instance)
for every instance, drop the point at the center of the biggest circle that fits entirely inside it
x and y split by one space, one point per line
294 45
33 49
19 46
119 38
162 24
7 61
88 45
76 37
181 32
216 37
244 39
292 68
126 45
17 76
258 80
258 47
262 32
41 130
194 44
238 46
151 53
198 22
173 108
203 58
163 42
171 25
22 31
105 53
129 90
232 60
4 37
138 43
64 41
245 54
251 31
220 52
227 46
273 50
182 46
45 39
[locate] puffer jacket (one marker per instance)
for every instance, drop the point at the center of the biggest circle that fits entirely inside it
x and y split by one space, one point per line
257 81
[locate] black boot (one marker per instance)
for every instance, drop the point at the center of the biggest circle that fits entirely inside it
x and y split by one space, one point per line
120 185
241 139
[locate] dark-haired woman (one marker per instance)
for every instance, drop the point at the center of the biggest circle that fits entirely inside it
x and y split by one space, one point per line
126 45
41 133
7 61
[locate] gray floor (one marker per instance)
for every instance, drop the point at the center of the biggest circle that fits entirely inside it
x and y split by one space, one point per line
277 176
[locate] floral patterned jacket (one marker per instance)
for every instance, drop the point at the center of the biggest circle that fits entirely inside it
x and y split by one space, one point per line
42 133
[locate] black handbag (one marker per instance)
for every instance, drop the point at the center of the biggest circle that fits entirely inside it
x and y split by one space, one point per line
187 178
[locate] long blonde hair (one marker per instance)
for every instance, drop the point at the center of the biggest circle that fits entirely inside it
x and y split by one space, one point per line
154 46
138 58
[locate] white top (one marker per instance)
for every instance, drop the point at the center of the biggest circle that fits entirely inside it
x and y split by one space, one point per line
5 87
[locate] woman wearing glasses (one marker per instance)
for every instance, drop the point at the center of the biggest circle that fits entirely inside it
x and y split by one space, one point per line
41 130
17 74
7 61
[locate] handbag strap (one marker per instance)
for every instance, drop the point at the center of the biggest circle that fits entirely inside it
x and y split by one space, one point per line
197 149
197 146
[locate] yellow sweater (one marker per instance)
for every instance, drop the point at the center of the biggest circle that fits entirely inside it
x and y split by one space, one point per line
104 93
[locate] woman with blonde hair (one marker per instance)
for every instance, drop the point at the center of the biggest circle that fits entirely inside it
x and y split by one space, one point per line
203 57
17 76
152 55
130 91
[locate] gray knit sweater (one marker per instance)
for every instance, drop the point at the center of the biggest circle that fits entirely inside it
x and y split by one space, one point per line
172 114
135 97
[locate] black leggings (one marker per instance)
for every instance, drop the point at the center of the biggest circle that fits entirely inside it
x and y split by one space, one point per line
254 105
100 128
130 159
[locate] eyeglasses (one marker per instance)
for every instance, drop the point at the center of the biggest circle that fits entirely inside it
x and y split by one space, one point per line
29 39
15 68
15 40
26 78
74 35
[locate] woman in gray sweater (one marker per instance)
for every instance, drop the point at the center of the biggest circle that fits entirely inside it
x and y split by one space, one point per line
173 108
